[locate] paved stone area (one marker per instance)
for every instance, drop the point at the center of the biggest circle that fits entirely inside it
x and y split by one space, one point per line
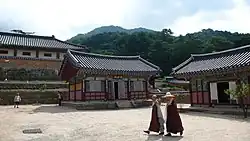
64 124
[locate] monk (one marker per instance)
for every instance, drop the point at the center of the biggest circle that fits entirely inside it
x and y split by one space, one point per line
157 120
173 119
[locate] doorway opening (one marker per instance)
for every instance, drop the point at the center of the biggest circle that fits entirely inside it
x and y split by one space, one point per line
223 98
116 90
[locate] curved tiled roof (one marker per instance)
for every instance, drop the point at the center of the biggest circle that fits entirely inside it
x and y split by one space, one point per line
232 58
122 63
34 41
106 64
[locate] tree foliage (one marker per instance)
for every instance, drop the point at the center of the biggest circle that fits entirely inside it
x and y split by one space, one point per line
162 48
241 92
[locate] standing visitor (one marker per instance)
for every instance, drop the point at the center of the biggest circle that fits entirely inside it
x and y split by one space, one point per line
59 99
157 121
17 100
173 119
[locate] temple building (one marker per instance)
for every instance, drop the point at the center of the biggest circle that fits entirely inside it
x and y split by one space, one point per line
104 77
33 53
212 73
171 81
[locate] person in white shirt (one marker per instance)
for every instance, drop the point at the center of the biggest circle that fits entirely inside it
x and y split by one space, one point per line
157 120
17 100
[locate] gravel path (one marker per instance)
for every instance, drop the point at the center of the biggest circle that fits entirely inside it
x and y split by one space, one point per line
64 124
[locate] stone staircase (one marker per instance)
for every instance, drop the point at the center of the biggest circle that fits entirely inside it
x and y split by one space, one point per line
121 104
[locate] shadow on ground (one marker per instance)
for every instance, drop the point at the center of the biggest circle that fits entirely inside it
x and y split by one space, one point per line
228 117
164 138
53 109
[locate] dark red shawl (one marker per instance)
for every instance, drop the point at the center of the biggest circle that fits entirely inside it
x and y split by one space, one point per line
173 123
154 123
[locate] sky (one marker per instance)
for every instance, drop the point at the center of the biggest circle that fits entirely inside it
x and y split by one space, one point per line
67 18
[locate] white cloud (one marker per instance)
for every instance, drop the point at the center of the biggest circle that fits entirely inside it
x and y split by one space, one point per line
66 18
58 17
235 20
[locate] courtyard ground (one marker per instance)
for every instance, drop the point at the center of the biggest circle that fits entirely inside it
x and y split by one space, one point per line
64 124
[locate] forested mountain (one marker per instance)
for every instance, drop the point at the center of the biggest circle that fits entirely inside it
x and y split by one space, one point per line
162 48
111 28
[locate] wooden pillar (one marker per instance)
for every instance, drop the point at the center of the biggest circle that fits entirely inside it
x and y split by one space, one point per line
202 91
197 92
75 89
37 54
191 93
69 92
105 89
82 98
15 52
57 55
146 87
128 93
209 95
84 94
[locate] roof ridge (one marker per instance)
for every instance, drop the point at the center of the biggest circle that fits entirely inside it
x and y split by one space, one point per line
107 56
70 43
51 38
23 35
149 63
221 52
183 64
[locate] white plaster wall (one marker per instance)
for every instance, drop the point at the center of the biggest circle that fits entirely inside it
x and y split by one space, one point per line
95 85
32 53
95 78
41 54
213 91
232 86
138 86
61 55
10 52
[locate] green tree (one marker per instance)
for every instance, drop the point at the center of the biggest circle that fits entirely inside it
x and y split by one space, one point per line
162 48
241 92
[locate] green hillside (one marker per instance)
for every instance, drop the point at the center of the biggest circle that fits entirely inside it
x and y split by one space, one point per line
162 48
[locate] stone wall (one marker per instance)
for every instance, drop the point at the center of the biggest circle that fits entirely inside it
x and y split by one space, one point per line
30 64
180 98
29 97
19 69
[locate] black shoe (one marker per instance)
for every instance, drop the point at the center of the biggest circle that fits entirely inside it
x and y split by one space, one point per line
147 132
161 133
181 133
169 134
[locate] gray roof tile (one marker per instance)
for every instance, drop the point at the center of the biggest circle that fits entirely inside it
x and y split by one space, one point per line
34 41
112 63
227 59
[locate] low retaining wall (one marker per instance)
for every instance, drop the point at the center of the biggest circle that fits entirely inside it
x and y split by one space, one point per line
29 97
183 98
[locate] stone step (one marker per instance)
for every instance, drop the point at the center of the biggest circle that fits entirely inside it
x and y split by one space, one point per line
227 106
124 104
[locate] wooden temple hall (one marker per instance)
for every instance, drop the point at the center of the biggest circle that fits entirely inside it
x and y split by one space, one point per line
104 77
211 74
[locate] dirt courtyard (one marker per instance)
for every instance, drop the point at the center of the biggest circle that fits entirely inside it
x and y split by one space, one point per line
64 124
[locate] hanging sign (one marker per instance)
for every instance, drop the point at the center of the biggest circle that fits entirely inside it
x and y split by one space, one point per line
117 77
